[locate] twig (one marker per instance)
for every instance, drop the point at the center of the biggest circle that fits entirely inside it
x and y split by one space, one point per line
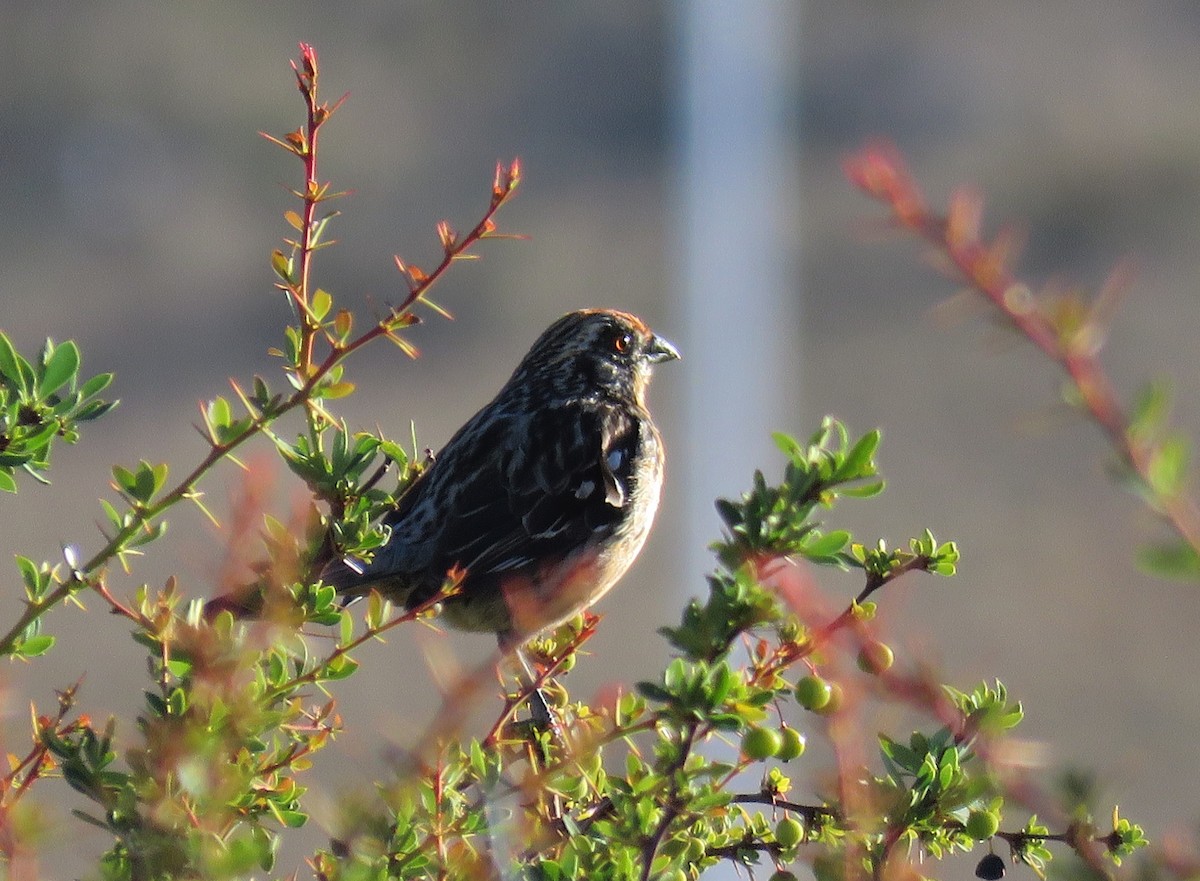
879 171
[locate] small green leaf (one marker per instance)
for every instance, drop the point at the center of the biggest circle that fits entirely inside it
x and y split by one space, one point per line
124 479
61 367
96 384
321 303
826 545
341 667
219 412
35 646
866 491
291 819
179 668
374 617
1150 409
788 445
1168 466
1171 560
334 390
144 482
858 461
10 364
94 410
281 265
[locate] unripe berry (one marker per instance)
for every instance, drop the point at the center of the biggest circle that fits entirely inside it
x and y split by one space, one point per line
836 697
793 744
982 825
876 657
761 743
813 692
788 832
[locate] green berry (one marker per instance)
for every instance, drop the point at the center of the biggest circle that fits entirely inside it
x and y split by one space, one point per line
761 743
813 692
982 825
836 697
783 875
788 832
793 744
876 657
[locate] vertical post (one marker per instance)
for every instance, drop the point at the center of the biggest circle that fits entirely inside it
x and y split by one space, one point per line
738 282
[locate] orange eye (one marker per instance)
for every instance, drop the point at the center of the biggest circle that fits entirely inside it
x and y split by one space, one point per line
622 341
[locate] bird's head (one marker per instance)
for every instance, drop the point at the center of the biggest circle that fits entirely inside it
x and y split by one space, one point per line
596 350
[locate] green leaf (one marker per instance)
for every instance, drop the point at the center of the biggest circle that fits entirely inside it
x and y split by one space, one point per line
904 758
333 390
826 545
29 572
124 479
341 667
1168 466
94 410
788 445
115 517
291 819
10 364
865 491
7 483
858 461
281 264
35 646
1150 409
1171 560
96 384
144 482
321 302
219 413
61 367
375 610
179 668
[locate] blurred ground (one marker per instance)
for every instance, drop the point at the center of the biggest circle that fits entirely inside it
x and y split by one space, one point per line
139 207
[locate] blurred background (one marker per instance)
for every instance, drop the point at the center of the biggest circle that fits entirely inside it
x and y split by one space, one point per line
139 208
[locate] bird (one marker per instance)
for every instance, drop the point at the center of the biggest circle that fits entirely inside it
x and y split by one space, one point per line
543 499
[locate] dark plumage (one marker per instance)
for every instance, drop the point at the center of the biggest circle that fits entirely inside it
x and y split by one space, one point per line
545 496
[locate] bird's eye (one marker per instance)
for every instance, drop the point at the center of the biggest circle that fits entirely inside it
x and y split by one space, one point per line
622 342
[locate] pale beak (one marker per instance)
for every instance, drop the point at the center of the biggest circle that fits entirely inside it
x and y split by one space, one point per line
661 350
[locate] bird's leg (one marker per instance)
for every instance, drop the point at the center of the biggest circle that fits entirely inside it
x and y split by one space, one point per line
539 709
543 719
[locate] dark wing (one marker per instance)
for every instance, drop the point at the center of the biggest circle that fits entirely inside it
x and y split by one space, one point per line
560 480
398 561
504 495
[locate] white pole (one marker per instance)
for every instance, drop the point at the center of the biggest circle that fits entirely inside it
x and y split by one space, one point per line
738 195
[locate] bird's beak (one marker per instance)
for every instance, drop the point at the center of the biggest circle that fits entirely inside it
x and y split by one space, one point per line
661 350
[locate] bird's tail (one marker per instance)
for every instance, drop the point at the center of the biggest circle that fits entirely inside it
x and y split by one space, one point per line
268 596
256 600
242 604
348 579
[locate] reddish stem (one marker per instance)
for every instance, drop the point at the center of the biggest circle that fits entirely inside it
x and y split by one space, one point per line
880 172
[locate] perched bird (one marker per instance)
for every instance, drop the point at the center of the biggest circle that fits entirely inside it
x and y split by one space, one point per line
544 497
